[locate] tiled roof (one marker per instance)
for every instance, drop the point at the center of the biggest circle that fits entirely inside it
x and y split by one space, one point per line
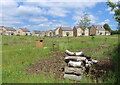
99 27
37 32
9 29
24 29
66 28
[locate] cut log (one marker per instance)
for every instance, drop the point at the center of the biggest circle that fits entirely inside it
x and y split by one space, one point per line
72 77
71 70
74 53
75 64
94 61
75 58
87 65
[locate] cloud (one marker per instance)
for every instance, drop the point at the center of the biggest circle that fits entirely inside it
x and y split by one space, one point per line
38 20
110 12
57 12
105 22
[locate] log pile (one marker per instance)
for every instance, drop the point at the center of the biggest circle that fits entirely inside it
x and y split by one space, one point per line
77 64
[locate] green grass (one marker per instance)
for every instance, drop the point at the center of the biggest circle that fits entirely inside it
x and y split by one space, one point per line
15 58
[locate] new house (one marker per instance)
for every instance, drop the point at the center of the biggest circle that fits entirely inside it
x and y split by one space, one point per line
23 31
43 33
97 30
63 31
36 33
49 33
80 31
7 31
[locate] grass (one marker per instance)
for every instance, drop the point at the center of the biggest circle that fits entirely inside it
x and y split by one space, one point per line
17 57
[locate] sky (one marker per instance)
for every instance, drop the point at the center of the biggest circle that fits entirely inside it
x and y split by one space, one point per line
44 15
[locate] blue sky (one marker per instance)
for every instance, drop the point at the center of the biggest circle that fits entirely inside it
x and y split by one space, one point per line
47 15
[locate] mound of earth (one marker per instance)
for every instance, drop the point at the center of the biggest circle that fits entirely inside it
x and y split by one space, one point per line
54 64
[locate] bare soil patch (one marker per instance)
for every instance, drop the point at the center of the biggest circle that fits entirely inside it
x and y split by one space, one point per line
52 64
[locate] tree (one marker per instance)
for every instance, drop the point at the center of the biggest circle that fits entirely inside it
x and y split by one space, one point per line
116 8
107 27
84 21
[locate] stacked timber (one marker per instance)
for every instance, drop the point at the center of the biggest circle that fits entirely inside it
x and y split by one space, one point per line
77 64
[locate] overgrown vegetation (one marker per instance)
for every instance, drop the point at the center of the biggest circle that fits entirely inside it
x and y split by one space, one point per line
20 52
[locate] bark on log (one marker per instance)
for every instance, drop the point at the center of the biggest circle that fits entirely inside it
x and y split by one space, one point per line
94 61
72 77
75 58
75 64
71 70
74 53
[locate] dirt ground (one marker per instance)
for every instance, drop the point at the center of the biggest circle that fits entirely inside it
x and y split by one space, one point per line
56 65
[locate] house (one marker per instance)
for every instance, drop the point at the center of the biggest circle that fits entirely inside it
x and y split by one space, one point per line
43 34
49 33
63 31
7 30
97 30
56 31
107 33
23 31
36 33
80 31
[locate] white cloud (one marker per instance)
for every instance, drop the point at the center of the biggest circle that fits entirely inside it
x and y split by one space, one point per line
105 22
57 12
38 20
110 12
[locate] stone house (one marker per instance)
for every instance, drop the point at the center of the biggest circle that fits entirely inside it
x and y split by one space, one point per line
23 31
36 33
7 31
97 30
80 31
63 31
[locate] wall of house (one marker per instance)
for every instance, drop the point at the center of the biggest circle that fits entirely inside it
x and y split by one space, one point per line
74 32
79 32
57 32
86 32
92 31
99 32
64 33
50 34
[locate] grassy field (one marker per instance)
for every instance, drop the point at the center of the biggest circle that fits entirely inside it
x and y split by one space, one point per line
20 52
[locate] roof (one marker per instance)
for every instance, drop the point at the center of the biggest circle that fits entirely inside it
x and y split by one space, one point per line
79 27
42 31
9 28
99 27
37 32
24 29
66 28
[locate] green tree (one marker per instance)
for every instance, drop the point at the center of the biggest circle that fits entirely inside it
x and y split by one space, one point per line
107 27
116 8
84 21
